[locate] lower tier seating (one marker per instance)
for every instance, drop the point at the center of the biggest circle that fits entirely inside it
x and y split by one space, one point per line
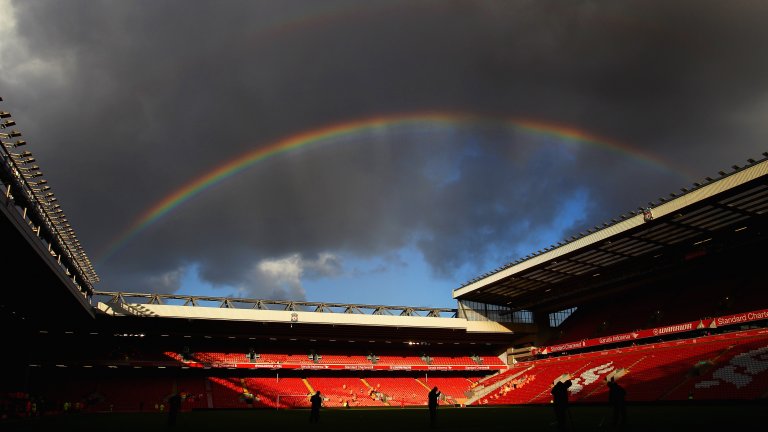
729 366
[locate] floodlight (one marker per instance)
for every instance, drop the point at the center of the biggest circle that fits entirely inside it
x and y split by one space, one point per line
11 134
18 143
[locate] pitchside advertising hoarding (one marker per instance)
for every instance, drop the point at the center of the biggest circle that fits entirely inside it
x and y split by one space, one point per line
710 323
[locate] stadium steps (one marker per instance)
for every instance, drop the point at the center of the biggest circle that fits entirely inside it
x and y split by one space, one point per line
338 390
226 392
483 380
547 389
592 392
628 369
422 384
454 389
485 391
689 378
370 387
309 386
597 390
500 375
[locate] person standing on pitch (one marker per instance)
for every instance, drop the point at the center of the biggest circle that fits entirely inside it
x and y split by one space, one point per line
617 398
560 401
174 405
314 413
432 403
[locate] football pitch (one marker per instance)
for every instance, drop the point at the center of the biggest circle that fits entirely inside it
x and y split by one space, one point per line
508 418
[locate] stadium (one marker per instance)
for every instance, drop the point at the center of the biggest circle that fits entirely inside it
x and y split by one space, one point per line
667 300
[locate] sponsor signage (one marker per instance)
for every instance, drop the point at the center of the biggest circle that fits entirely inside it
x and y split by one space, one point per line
398 367
659 331
359 367
741 318
313 366
261 365
628 337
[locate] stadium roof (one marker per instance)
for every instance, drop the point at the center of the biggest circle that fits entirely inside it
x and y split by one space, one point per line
288 319
719 213
41 255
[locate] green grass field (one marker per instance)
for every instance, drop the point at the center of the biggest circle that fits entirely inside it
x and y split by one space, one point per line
527 418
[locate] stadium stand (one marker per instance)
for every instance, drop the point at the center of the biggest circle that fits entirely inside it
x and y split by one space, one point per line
670 301
660 371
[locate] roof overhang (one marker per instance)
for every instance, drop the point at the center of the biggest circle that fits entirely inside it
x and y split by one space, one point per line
717 208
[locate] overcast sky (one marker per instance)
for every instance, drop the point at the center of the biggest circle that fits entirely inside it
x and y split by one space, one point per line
123 103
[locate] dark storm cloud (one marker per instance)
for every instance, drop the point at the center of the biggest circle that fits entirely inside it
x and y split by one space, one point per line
124 102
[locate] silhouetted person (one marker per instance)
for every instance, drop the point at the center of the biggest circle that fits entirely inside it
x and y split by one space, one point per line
560 402
174 405
314 413
617 398
432 403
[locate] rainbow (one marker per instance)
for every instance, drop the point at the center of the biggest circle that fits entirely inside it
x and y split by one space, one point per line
338 133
